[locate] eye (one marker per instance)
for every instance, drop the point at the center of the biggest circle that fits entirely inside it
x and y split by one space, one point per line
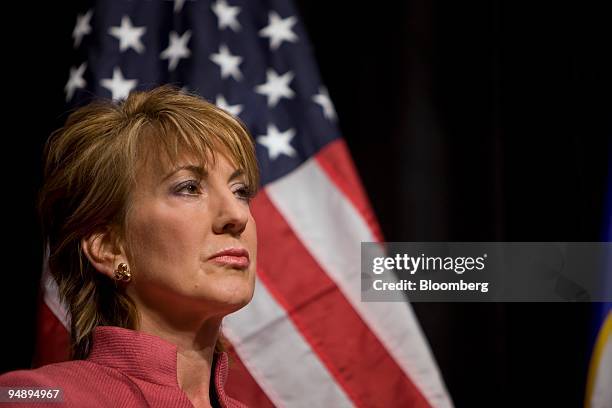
243 192
191 187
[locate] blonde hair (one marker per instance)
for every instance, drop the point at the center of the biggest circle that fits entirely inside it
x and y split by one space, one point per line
90 166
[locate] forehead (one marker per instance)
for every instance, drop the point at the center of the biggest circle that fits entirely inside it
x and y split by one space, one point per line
159 163
159 151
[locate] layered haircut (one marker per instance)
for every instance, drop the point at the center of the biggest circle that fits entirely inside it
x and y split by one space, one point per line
90 167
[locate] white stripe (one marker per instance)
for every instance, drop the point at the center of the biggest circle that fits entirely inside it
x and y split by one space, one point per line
278 358
332 230
51 295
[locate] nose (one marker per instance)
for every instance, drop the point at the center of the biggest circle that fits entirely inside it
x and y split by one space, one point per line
232 214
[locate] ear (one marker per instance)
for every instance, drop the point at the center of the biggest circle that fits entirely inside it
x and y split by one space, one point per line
103 252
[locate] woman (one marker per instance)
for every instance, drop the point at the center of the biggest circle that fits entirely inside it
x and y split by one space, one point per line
145 209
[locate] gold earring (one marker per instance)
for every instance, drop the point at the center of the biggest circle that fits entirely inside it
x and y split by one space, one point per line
122 273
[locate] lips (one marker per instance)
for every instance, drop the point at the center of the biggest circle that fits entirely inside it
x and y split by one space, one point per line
232 257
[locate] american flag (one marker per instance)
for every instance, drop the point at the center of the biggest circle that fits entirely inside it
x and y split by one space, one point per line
306 339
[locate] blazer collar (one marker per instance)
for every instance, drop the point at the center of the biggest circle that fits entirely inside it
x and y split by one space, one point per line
147 357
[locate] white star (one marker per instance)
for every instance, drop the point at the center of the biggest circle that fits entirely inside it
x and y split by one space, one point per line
233 109
322 98
277 143
177 49
119 86
276 87
75 81
228 63
128 35
279 30
178 5
226 15
82 27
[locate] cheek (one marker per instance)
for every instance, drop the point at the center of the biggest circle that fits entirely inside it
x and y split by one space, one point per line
161 243
251 240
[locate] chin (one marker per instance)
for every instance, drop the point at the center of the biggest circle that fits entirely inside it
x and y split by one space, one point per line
234 297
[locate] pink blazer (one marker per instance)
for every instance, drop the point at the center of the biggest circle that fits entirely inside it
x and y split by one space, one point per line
125 368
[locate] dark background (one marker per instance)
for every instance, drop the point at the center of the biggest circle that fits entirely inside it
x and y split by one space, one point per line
487 121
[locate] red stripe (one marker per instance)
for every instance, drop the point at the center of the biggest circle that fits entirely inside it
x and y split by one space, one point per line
241 385
344 343
336 161
52 342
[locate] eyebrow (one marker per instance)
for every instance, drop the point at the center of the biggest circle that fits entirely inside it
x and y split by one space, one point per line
198 170
236 174
201 172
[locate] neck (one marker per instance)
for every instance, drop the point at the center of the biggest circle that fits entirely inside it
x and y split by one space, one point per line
195 348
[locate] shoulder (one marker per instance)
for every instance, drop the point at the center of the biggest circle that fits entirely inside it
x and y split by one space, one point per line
78 381
47 375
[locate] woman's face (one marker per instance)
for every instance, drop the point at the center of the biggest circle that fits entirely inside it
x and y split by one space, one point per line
192 240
